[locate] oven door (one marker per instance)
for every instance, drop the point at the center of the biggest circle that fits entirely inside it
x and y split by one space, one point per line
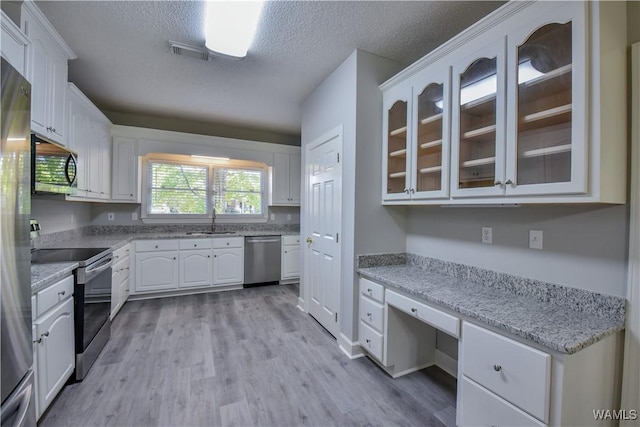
93 305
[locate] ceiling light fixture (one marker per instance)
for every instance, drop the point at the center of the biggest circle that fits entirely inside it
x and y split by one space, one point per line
224 159
230 26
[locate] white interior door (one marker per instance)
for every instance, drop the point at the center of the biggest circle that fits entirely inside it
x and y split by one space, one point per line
323 218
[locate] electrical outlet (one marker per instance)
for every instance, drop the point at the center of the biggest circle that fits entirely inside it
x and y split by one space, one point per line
487 235
111 216
134 216
273 217
535 239
288 217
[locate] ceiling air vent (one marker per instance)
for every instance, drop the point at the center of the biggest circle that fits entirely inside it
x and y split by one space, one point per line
191 51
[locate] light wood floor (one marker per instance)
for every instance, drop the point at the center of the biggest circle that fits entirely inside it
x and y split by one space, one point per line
241 358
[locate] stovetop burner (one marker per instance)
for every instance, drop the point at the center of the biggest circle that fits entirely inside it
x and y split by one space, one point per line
81 255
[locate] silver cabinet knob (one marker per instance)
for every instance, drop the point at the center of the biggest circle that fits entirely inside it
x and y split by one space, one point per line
412 191
62 292
414 310
368 314
195 245
497 368
46 334
156 246
174 257
497 183
369 290
508 182
368 340
406 190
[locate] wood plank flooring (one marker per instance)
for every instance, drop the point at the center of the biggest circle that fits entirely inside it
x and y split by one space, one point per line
241 358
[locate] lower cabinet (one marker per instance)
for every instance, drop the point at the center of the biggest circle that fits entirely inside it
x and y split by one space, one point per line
228 261
157 271
120 279
53 339
169 265
290 264
196 268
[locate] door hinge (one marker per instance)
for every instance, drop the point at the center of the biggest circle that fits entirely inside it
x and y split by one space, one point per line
336 317
338 157
337 237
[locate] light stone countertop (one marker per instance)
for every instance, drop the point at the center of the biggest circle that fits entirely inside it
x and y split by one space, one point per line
45 275
558 328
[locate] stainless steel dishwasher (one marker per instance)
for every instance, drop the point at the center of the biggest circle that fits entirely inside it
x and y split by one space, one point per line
261 259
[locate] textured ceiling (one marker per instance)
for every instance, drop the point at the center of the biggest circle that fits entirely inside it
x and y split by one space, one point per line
124 62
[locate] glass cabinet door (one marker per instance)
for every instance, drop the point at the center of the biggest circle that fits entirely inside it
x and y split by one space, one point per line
547 110
397 150
431 160
478 137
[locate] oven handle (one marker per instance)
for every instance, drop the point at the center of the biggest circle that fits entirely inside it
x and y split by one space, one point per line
100 267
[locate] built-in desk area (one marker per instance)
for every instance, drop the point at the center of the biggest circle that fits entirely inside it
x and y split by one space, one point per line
520 359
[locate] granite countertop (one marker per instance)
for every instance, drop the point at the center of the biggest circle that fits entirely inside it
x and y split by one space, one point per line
556 327
45 275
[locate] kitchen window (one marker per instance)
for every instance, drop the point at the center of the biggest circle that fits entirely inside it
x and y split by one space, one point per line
187 190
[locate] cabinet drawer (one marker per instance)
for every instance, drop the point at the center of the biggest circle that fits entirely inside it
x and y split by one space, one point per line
372 290
370 340
516 372
196 244
49 297
436 318
157 245
121 253
290 240
479 407
228 242
371 313
120 270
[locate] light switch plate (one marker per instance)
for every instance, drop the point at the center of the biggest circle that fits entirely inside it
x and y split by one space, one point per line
535 239
134 216
487 235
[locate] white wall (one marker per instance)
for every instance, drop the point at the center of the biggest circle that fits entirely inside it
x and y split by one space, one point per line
583 247
55 214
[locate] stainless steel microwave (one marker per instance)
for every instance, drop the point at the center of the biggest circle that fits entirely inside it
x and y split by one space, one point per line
53 168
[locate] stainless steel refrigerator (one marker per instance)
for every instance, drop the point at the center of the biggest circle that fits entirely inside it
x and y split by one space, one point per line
18 390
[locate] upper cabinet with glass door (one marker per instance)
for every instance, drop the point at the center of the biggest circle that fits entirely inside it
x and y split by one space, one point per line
526 124
430 144
416 141
396 151
546 119
478 122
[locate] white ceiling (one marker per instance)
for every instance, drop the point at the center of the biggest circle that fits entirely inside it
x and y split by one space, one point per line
124 62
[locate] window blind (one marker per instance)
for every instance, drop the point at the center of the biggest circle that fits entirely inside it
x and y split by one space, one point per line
238 191
178 189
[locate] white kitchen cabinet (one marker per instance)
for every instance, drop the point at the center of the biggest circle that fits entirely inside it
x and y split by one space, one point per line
526 124
478 143
228 261
47 70
285 180
502 378
120 279
89 136
196 268
157 265
53 336
125 170
13 44
418 146
290 258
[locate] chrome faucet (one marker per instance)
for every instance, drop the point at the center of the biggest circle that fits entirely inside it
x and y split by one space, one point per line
213 220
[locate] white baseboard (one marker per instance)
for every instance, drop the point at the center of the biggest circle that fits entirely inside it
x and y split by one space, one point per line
447 363
351 349
301 305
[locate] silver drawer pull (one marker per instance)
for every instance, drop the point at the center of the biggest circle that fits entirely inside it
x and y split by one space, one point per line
414 310
368 340
46 334
497 368
369 290
62 292
368 314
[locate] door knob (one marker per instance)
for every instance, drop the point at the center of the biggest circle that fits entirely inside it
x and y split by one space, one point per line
309 240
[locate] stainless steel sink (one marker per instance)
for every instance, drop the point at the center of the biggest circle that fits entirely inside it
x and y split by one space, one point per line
208 233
